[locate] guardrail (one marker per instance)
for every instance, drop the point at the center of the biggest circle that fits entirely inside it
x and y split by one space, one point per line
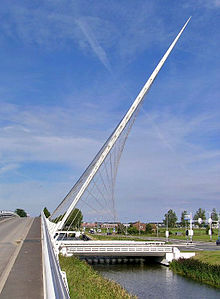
55 283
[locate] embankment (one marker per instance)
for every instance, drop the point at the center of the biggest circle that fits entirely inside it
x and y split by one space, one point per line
195 268
85 282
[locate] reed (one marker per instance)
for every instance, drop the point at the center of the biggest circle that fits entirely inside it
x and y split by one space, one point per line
200 271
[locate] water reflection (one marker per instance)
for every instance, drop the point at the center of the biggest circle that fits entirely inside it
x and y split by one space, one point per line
156 281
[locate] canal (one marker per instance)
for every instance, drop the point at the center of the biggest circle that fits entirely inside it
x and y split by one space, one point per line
155 281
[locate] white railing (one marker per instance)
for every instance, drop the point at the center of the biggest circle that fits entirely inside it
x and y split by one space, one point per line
115 250
55 283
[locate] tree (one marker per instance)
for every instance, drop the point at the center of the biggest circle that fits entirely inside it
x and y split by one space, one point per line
75 219
171 217
46 212
148 228
57 219
183 221
200 213
121 228
214 215
21 212
132 230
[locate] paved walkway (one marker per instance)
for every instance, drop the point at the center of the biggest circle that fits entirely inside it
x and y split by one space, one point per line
26 279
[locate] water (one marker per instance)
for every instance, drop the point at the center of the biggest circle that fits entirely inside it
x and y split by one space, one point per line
156 281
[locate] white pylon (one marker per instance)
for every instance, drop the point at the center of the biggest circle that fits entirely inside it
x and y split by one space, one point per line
114 137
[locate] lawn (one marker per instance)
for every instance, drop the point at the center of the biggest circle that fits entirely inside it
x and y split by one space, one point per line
199 235
210 257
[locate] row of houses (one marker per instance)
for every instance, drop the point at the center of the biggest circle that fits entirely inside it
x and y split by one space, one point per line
99 225
113 225
140 226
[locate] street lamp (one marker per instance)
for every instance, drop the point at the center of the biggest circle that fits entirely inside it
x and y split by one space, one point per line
190 228
190 231
210 230
218 225
167 231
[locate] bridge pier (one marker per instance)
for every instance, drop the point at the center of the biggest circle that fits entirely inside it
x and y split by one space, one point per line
118 260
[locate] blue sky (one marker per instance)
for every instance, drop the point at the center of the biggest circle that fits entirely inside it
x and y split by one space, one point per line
71 69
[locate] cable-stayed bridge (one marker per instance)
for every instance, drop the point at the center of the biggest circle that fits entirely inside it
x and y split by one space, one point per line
94 195
94 190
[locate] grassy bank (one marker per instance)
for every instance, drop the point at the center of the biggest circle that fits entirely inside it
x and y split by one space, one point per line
204 267
210 257
85 282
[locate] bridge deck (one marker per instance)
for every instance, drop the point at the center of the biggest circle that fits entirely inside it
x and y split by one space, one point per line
25 279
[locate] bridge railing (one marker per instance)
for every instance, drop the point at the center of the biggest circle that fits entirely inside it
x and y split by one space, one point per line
55 283
70 249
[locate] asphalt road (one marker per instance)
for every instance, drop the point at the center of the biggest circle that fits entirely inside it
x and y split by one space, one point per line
12 232
25 280
198 246
194 246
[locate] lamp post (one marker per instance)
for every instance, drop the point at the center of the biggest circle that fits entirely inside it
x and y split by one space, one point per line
189 233
167 231
191 229
210 230
218 225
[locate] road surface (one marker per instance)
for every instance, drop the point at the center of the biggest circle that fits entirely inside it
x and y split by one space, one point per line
20 259
12 232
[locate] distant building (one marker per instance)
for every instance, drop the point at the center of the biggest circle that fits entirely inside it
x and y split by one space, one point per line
140 226
88 224
99 224
109 225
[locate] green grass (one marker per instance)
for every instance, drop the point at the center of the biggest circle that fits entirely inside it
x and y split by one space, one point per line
210 257
85 283
204 267
116 237
199 235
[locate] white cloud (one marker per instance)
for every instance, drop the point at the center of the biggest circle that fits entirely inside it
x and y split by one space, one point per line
212 4
170 158
31 195
86 28
7 168
181 175
59 26
162 159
